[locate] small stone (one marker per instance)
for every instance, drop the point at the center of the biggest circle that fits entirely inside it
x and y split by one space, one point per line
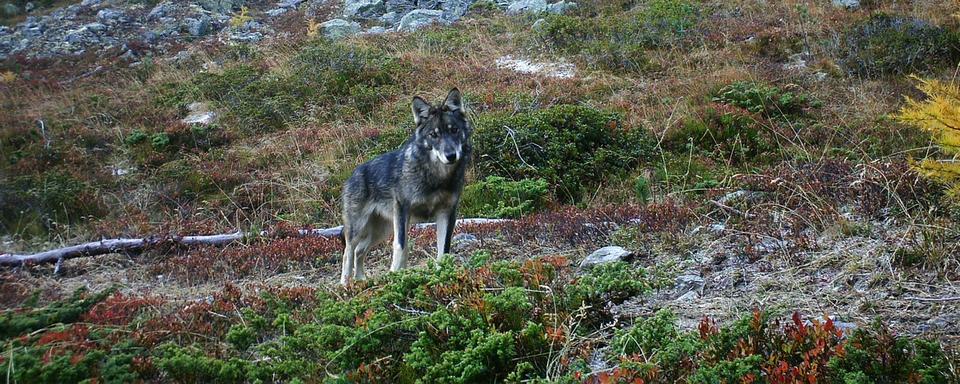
606 255
419 18
527 6
90 3
339 28
29 7
464 241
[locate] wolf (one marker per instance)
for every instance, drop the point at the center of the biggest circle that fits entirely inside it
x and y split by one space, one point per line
420 181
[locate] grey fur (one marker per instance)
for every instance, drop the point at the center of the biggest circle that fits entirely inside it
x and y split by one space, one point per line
421 181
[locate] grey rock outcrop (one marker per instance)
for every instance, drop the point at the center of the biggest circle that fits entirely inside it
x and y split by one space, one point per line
420 18
339 28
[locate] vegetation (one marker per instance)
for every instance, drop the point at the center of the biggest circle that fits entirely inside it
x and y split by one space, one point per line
769 164
504 321
571 147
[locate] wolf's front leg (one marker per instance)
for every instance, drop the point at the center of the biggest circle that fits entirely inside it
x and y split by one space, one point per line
401 218
445 223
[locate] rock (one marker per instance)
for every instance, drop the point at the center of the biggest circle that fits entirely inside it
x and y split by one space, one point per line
389 18
796 62
90 3
527 6
606 255
538 25
197 27
453 9
686 284
848 4
159 11
289 3
465 239
10 9
277 12
220 6
246 37
95 27
29 7
199 114
419 18
339 28
375 30
561 7
363 9
108 15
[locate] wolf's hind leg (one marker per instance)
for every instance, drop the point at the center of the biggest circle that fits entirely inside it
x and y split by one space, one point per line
376 231
348 254
401 218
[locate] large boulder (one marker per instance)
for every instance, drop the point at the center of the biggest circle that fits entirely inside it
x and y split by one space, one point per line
339 28
420 18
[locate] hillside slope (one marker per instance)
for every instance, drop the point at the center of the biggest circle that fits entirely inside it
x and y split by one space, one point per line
750 157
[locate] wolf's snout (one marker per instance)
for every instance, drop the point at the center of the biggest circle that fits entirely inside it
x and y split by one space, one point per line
451 157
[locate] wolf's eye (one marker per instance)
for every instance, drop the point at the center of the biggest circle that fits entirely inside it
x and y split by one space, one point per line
434 134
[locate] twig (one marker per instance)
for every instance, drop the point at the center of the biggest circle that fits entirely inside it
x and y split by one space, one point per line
953 298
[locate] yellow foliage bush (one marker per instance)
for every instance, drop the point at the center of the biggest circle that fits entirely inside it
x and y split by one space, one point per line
241 18
313 28
938 114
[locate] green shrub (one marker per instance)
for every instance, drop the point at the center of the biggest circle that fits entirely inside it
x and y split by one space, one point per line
14 323
33 204
610 282
896 45
260 101
571 147
723 134
497 197
136 137
657 336
345 74
903 360
764 99
617 41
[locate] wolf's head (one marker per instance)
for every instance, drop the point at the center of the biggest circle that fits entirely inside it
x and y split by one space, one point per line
442 130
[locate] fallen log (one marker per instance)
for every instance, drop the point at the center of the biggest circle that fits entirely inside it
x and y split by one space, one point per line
107 246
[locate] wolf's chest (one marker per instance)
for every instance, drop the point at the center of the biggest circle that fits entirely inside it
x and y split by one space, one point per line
428 206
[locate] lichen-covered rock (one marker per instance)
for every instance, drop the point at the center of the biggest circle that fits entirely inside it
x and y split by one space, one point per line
363 9
527 6
606 255
420 18
339 28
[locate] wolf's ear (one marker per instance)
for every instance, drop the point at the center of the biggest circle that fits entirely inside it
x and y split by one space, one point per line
453 101
421 110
